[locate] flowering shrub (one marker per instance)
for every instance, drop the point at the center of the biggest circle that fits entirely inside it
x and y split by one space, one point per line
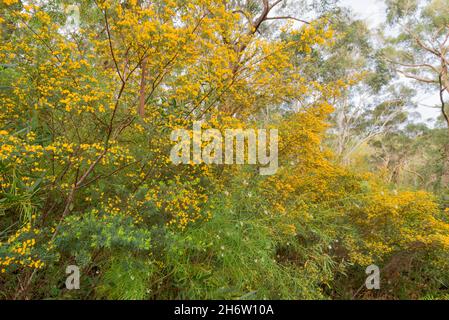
86 178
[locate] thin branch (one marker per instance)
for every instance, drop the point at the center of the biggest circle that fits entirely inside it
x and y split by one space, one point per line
415 77
244 14
101 176
110 46
285 18
414 65
275 4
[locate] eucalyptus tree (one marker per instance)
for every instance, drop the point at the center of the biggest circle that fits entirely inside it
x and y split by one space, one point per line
419 50
369 105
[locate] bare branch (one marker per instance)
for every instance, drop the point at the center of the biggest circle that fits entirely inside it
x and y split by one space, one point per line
275 4
287 17
415 77
415 65
110 46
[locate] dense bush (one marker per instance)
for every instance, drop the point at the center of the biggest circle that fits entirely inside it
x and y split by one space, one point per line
86 179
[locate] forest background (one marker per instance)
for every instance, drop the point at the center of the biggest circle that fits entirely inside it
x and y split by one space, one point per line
90 91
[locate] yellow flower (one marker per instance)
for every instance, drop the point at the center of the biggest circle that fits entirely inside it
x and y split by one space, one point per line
9 2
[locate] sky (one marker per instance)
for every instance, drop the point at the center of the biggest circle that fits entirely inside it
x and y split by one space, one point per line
373 11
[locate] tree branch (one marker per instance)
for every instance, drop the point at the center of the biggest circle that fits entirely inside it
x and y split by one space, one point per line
286 17
415 77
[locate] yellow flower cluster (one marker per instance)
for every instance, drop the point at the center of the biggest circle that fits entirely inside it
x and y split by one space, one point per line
20 252
9 2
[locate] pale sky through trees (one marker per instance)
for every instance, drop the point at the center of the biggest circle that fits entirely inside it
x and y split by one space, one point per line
373 11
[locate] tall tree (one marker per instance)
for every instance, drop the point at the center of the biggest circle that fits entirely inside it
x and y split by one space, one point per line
419 49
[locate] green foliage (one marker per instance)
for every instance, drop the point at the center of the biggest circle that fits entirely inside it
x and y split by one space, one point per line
86 177
241 254
126 278
93 231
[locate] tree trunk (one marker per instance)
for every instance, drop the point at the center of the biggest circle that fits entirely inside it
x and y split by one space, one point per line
444 86
445 171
